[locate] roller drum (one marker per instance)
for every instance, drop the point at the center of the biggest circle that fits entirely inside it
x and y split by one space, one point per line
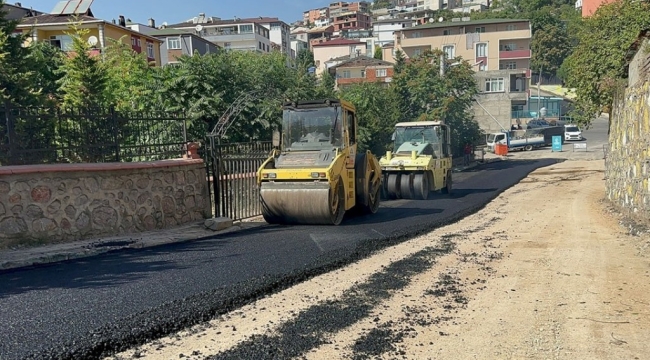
306 203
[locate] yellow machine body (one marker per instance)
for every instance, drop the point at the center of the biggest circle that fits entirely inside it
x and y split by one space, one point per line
421 161
317 174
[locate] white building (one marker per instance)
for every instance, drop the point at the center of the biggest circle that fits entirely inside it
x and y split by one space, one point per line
143 29
279 33
322 22
236 34
383 30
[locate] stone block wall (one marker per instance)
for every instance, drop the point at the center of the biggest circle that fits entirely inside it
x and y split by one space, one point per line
628 158
67 202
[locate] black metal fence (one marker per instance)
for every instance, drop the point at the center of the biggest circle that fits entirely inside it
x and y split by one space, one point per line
41 135
232 171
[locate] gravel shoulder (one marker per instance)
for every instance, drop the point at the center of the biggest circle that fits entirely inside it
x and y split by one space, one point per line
542 272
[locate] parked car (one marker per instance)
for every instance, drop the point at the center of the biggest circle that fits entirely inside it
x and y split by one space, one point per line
572 132
537 123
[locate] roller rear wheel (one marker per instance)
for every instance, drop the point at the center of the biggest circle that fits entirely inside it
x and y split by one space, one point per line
406 186
421 186
393 186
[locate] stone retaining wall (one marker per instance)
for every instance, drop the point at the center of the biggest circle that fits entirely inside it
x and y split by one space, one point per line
628 158
62 203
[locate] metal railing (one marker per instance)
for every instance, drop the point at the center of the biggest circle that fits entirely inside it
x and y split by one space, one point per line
531 114
232 172
45 135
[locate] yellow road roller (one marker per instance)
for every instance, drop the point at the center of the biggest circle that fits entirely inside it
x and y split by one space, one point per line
314 174
420 161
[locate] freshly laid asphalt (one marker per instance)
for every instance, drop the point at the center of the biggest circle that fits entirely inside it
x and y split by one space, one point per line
94 306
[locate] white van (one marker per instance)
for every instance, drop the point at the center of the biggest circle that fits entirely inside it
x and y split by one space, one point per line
572 132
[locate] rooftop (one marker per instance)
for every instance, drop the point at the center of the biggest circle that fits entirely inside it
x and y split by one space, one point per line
364 61
237 21
447 24
338 42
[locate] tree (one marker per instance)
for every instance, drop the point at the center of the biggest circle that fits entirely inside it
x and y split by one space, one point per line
305 59
378 53
377 113
426 96
129 74
85 78
400 61
550 46
45 61
16 83
597 64
326 86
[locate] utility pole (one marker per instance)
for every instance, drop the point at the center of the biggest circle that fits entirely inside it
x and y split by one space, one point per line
539 85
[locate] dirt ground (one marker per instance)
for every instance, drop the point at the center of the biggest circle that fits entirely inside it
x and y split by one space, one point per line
545 271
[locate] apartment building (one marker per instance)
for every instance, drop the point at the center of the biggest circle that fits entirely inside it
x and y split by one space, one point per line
500 51
384 30
436 4
333 52
234 34
17 11
340 7
279 33
358 69
176 43
310 16
589 7
351 20
54 28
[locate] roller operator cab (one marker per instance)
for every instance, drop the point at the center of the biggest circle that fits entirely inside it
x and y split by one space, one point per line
315 174
421 161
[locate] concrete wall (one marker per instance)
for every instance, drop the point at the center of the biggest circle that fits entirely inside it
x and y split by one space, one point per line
628 158
68 202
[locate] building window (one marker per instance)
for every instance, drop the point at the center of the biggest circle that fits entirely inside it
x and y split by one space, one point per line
227 45
245 29
139 42
510 47
510 65
417 34
346 74
417 52
174 43
363 74
511 27
446 32
259 45
380 73
150 53
494 85
63 42
480 29
449 51
481 50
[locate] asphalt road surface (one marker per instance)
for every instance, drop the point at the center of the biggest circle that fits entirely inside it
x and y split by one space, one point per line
94 306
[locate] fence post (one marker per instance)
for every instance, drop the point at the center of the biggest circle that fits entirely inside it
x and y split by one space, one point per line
116 133
11 134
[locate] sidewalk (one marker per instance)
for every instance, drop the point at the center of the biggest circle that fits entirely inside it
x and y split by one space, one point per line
12 259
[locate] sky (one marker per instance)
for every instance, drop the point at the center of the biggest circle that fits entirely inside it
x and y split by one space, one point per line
175 11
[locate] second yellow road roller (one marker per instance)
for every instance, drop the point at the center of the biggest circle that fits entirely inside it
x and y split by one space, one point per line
315 174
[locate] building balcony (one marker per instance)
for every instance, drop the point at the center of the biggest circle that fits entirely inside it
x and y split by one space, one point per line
515 54
230 37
